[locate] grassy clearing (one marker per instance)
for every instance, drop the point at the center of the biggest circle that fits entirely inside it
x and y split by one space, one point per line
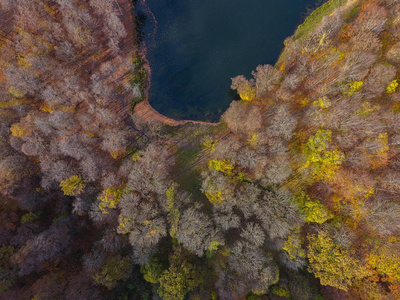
188 167
185 158
194 133
189 177
315 18
191 182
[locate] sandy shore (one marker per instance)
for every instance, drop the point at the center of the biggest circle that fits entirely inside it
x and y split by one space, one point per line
146 113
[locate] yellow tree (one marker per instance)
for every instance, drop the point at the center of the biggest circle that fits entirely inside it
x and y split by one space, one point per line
332 264
244 87
321 163
109 198
73 185
385 259
313 210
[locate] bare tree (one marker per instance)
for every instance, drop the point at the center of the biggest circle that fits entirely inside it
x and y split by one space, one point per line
255 267
196 231
266 77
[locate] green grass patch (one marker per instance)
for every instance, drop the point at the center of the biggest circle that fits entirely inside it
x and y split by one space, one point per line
352 14
193 133
185 158
188 177
191 182
316 17
197 135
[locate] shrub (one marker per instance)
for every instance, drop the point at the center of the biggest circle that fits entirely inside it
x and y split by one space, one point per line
29 217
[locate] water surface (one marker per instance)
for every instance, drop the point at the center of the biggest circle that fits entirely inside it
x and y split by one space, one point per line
195 47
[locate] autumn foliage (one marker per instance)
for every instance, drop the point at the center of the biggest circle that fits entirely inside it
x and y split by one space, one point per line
295 194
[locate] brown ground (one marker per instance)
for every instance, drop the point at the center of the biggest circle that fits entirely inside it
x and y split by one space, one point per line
146 113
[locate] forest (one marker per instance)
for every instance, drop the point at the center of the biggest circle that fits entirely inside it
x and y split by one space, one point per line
294 194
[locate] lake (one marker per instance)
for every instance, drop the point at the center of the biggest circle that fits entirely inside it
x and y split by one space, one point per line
195 47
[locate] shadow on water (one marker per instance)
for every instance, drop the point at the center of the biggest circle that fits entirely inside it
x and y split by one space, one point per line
140 22
194 48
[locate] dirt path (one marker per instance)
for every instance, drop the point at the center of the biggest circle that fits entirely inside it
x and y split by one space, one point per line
146 113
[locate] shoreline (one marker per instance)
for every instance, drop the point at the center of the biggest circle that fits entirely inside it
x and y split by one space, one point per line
143 110
146 113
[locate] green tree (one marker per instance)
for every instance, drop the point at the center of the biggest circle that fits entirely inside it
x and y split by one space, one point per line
29 217
116 269
152 271
178 280
293 245
173 211
280 291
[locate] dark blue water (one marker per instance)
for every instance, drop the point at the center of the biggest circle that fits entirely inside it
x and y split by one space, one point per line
195 47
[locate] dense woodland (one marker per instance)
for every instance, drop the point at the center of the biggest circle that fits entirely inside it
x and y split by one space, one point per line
294 195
